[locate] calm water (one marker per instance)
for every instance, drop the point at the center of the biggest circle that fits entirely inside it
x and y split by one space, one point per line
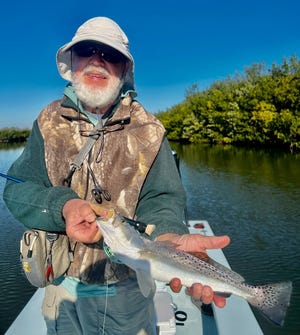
254 197
251 195
15 290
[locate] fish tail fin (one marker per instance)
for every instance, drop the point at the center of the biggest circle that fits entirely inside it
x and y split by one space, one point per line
272 300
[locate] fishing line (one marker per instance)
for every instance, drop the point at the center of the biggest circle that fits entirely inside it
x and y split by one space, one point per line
105 309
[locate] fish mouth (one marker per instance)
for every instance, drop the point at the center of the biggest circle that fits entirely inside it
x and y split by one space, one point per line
105 229
103 224
110 224
111 221
117 220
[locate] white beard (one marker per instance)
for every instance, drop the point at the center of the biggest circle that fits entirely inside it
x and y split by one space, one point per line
97 98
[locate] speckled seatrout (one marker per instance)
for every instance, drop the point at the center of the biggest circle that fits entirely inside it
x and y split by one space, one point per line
153 260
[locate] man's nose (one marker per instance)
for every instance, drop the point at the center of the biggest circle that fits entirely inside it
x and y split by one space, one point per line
97 57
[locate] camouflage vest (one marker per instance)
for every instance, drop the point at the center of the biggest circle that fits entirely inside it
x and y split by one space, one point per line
120 162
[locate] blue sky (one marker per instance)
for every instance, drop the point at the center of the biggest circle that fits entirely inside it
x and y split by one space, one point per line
175 44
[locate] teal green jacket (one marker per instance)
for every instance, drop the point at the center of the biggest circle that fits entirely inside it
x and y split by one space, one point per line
38 204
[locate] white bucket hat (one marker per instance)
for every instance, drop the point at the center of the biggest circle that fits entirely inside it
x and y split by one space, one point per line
102 30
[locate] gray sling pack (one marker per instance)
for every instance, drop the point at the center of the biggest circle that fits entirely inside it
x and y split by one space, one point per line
44 256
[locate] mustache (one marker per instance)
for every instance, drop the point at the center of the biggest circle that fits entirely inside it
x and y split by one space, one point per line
99 69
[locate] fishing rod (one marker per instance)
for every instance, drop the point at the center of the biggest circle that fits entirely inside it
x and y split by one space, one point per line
16 180
139 226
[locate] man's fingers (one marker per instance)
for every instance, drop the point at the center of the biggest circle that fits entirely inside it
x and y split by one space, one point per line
215 242
199 292
87 213
175 285
219 301
207 295
195 291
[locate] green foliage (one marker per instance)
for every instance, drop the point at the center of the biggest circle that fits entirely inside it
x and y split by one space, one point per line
259 107
13 135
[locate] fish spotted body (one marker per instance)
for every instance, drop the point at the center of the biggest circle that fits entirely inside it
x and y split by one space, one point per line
155 261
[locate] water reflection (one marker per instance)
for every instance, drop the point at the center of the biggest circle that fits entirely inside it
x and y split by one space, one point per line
11 146
272 167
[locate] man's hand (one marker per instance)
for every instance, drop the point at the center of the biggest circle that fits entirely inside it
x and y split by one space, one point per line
80 221
197 243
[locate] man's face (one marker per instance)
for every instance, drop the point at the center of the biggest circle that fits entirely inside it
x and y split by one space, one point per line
98 73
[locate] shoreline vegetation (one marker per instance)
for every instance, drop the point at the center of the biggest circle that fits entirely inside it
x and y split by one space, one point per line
14 135
259 108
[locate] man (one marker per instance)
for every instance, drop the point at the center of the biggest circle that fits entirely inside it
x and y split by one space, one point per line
128 166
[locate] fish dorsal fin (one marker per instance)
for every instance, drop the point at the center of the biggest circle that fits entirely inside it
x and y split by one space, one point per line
146 283
168 244
204 257
201 255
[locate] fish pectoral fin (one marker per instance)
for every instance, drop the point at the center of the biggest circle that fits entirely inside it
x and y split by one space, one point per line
223 294
146 282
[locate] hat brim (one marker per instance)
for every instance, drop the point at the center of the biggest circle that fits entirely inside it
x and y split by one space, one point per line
99 39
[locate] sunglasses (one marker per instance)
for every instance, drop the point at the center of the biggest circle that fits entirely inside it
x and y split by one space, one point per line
88 49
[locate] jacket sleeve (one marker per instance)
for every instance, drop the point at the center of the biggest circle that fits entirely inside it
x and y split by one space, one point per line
35 202
162 199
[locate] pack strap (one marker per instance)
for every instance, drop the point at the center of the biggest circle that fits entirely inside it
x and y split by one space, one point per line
81 156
